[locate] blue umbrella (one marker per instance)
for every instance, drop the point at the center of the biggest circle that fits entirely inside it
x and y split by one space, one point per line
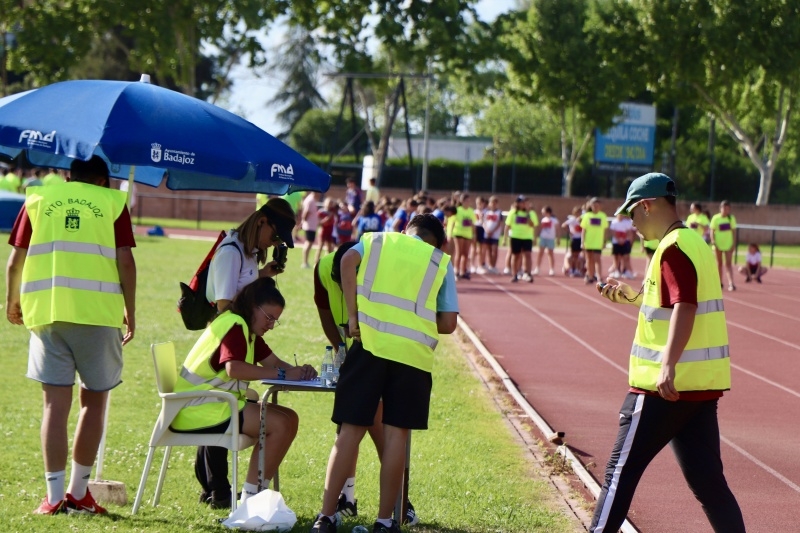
159 132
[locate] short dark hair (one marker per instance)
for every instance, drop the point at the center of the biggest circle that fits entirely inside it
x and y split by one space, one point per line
428 225
88 171
261 291
336 269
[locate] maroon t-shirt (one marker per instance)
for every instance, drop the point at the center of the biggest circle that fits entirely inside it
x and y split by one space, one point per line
21 232
234 348
679 285
320 292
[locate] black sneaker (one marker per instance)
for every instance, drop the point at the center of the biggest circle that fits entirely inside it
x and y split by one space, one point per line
345 508
324 525
377 527
411 518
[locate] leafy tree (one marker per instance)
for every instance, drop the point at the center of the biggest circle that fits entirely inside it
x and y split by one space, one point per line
520 128
561 54
410 36
314 133
739 61
299 59
161 38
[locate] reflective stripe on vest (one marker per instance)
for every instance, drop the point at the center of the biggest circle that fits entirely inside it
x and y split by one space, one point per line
688 356
69 246
400 331
70 283
397 287
665 313
704 363
216 382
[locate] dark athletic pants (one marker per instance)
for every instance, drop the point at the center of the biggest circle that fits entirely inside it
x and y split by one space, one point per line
211 470
646 425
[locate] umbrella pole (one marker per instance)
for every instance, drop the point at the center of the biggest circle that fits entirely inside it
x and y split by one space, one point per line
102 490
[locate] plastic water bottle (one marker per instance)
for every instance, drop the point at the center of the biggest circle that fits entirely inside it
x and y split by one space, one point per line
359 529
326 373
338 359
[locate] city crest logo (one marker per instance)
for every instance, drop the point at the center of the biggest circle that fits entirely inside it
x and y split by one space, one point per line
155 152
73 220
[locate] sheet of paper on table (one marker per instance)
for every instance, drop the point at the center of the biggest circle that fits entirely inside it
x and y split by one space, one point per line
315 383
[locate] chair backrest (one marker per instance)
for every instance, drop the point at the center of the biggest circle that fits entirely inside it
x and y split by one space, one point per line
164 361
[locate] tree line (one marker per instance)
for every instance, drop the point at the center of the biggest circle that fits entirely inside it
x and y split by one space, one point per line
723 74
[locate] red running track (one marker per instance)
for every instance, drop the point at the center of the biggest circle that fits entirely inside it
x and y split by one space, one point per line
567 350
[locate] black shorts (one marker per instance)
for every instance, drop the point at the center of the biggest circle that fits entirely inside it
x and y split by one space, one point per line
575 244
490 241
480 234
521 245
365 379
621 249
310 235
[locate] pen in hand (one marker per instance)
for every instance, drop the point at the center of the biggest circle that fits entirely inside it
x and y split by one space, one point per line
295 359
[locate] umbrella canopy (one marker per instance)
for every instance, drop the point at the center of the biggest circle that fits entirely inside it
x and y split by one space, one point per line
159 132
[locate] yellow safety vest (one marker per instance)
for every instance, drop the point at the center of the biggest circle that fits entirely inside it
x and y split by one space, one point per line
697 222
397 284
705 362
465 222
70 272
197 374
335 296
517 221
594 229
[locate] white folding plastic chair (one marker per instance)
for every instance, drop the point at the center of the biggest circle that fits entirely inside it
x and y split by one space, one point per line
171 403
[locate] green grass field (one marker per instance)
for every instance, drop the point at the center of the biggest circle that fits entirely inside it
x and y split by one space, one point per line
468 474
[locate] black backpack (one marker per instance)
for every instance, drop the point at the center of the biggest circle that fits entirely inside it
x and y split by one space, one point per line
196 311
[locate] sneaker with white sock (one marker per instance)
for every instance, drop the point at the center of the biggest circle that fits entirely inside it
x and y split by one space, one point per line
85 505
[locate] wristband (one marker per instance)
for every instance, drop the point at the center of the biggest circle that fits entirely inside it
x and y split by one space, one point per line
281 374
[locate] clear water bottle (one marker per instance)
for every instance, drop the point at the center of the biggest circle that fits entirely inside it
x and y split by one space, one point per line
338 359
326 373
359 529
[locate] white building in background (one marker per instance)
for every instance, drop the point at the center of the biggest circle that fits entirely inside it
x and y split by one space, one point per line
464 149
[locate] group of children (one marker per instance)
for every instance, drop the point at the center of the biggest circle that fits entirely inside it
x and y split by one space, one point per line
476 230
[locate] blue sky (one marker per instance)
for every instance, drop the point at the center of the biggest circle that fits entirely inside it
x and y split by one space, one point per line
250 93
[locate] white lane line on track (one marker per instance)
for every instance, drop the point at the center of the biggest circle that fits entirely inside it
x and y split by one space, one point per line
763 309
559 327
791 484
612 307
573 336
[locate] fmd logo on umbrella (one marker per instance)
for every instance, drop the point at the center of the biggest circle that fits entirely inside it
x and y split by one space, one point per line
283 173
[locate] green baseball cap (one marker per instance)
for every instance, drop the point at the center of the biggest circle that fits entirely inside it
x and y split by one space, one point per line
652 185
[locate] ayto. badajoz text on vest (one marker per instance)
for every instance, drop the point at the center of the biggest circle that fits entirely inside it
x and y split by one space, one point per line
70 272
705 362
397 284
197 374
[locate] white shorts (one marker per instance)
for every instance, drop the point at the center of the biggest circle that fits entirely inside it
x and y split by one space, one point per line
60 349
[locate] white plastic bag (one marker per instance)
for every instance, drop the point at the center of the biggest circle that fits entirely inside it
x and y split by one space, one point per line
266 511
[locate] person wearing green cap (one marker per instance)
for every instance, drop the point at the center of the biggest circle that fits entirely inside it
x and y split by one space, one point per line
679 365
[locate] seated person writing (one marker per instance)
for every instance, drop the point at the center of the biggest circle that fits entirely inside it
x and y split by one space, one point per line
230 353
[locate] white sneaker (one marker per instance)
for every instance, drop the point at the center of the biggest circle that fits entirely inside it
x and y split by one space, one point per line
526 277
506 271
615 274
536 271
551 272
480 270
